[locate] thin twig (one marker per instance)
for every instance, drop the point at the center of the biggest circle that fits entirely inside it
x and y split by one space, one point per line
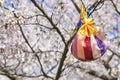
115 7
50 20
78 9
96 5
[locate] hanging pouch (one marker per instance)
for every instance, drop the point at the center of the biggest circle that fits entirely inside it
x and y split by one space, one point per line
88 44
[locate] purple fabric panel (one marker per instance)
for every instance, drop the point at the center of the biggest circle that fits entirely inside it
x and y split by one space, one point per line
74 46
101 45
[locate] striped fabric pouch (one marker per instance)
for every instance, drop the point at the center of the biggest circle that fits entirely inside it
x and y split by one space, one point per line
89 48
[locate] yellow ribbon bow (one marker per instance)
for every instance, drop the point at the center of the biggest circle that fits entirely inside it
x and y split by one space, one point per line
88 28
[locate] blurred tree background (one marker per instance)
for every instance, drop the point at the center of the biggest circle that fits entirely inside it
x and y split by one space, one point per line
36 37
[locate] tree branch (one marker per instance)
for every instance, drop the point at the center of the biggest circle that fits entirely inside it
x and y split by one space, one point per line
115 7
31 48
95 5
50 20
103 77
59 71
6 73
114 52
77 8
